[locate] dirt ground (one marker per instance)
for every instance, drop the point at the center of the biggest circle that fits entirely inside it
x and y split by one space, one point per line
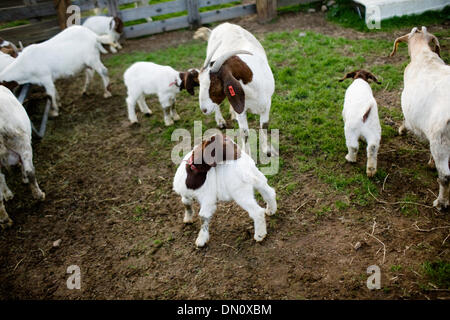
109 200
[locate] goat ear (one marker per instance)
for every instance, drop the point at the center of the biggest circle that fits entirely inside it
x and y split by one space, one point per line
233 90
437 47
371 76
189 84
118 25
348 75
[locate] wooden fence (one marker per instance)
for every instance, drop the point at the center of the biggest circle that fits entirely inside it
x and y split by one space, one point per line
41 16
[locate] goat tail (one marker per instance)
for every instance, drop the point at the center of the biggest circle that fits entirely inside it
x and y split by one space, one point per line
104 39
202 33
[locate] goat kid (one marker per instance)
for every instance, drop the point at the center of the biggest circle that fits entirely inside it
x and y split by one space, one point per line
72 50
144 78
107 26
360 115
15 148
426 102
215 171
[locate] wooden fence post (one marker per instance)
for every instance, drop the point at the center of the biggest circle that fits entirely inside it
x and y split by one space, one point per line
113 8
193 13
266 9
61 10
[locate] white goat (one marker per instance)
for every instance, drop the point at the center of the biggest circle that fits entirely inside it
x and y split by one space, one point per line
144 78
67 53
15 148
109 26
426 102
215 171
360 115
239 71
5 60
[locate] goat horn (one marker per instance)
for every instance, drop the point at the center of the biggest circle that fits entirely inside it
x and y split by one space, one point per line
219 62
209 57
397 41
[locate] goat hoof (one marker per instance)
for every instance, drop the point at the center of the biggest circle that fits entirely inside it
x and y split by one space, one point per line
371 172
168 123
259 237
40 196
135 124
222 124
272 153
8 195
53 114
349 158
440 204
188 220
6 223
201 240
431 164
269 211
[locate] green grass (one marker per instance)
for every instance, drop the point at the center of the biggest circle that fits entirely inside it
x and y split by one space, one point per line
12 24
306 107
300 7
345 15
438 272
396 268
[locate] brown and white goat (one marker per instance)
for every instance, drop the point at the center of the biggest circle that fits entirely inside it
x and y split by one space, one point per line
217 170
237 68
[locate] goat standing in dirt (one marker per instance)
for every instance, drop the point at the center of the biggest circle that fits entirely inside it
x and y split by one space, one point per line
144 78
15 148
215 171
360 115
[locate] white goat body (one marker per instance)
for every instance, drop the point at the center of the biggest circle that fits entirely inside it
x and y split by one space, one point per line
15 148
67 53
361 120
228 180
144 78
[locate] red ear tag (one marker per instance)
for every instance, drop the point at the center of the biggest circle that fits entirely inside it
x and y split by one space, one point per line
230 88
